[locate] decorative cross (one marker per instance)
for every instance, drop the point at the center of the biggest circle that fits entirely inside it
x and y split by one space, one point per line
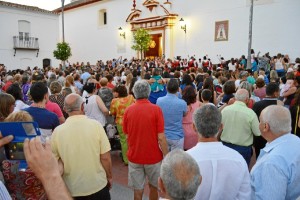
134 5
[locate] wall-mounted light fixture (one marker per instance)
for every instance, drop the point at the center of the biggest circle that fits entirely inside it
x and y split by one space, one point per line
182 24
122 32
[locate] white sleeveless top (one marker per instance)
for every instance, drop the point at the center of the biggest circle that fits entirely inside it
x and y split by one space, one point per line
92 110
278 64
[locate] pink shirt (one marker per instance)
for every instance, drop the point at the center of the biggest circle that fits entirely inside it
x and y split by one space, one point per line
190 135
54 107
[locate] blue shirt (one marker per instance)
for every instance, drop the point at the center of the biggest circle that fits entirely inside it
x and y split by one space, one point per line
78 85
155 95
44 118
276 174
173 110
85 76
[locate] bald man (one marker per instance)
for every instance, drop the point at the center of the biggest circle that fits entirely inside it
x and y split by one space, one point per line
83 147
276 174
180 176
240 124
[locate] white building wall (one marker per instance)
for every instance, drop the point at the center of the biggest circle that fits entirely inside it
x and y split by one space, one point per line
43 26
89 41
275 29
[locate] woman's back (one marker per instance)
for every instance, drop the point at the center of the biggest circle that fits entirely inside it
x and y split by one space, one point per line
92 110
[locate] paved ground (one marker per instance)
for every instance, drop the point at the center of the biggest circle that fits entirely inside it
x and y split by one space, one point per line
120 189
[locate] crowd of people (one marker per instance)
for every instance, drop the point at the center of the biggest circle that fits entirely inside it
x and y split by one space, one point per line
187 127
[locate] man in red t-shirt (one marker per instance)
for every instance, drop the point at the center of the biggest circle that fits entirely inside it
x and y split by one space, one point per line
143 123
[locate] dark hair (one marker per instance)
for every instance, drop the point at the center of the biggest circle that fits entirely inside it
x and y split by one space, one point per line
76 77
208 84
199 79
229 87
133 80
25 79
260 82
109 77
189 95
38 90
89 87
172 86
206 95
283 79
121 90
166 75
187 80
15 91
147 76
157 72
271 89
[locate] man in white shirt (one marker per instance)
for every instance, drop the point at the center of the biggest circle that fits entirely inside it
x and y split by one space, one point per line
224 171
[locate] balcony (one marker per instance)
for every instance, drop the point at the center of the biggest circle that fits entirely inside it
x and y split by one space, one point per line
26 43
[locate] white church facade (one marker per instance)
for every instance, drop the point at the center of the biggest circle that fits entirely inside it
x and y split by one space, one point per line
28 36
215 28
178 27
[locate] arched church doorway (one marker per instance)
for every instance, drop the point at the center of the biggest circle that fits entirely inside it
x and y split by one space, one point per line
155 49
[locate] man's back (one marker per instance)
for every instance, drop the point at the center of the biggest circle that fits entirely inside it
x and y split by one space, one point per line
240 123
79 143
45 119
224 172
173 110
276 174
142 123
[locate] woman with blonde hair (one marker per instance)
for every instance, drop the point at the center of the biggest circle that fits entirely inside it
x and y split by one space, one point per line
19 116
7 105
274 76
69 83
129 78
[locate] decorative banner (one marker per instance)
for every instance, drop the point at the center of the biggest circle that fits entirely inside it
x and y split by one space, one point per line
221 31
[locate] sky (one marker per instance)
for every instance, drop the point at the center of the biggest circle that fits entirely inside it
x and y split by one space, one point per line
44 4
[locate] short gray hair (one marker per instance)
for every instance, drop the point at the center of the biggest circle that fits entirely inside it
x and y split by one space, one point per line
247 86
74 105
180 175
141 89
242 95
207 120
278 118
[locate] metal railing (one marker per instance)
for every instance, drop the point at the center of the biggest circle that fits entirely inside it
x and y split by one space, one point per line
26 42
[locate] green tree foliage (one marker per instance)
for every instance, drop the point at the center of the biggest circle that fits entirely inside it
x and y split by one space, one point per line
63 51
141 41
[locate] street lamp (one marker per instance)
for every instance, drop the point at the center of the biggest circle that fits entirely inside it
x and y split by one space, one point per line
62 19
182 25
122 33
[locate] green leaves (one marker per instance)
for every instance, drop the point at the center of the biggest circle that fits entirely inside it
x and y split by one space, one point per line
63 51
141 40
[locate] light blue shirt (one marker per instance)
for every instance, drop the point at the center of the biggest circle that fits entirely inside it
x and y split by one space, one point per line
173 110
276 174
4 195
85 76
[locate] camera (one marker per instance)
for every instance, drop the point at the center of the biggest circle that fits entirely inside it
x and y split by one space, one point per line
20 131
